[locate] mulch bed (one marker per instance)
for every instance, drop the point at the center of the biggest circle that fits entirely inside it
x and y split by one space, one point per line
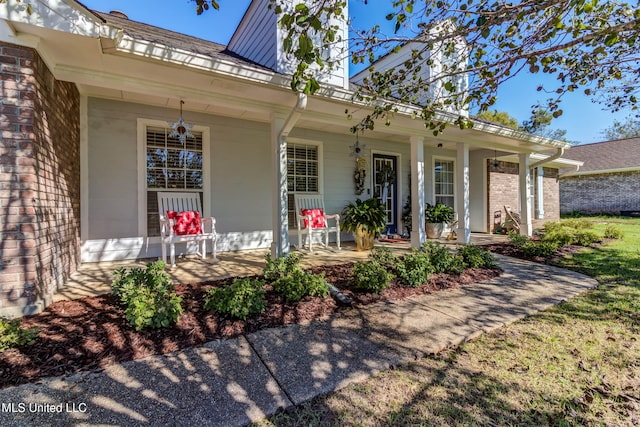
92 333
509 249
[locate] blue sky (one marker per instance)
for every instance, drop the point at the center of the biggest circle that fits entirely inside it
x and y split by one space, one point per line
582 119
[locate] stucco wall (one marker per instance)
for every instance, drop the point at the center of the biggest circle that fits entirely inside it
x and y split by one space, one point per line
602 193
39 182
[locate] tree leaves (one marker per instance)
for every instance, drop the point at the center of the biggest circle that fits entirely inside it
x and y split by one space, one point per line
462 52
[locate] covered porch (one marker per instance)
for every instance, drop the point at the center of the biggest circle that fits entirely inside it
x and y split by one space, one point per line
93 279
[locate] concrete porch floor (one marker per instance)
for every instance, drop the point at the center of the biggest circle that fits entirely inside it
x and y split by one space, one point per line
95 278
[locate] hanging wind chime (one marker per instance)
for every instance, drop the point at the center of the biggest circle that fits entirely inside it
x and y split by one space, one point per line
180 129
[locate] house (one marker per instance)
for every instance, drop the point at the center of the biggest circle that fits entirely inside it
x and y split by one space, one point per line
87 98
608 182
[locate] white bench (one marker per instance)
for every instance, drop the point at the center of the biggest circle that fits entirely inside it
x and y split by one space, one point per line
183 202
309 201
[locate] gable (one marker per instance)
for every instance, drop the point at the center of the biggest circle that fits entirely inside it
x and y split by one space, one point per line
260 39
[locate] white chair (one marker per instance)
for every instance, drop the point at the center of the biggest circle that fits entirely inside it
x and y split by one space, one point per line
183 202
317 223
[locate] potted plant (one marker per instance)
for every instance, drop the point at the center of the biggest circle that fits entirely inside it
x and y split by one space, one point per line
365 219
406 215
435 218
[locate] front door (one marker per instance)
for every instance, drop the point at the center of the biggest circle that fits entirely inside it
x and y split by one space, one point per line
385 187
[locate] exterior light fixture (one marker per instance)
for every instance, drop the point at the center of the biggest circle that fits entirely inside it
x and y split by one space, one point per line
180 129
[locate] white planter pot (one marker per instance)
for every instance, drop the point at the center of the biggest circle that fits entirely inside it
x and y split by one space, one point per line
434 229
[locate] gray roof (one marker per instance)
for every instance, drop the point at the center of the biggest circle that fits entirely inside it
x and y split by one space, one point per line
141 31
617 154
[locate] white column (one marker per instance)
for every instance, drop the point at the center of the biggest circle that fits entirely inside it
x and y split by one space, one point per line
418 234
280 215
526 226
462 192
540 190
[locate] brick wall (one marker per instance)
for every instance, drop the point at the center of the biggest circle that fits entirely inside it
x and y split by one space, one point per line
551 194
39 182
603 193
503 184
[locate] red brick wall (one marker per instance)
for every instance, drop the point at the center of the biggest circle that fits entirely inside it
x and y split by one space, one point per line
39 182
503 184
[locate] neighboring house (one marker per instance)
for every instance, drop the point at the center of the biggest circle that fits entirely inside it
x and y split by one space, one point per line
85 145
608 182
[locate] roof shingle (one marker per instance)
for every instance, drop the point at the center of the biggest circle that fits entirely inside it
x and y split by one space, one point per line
616 154
174 40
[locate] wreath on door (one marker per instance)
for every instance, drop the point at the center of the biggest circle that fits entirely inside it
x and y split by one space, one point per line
386 176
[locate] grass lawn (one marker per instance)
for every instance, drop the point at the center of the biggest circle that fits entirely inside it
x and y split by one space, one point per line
575 364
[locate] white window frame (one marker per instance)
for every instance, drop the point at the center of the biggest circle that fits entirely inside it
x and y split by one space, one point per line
142 170
433 177
319 145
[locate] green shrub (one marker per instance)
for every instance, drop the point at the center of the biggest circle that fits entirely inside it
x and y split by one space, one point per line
148 296
560 236
585 237
242 298
612 232
518 240
441 259
384 256
476 257
539 249
371 276
12 335
300 284
414 268
578 224
281 267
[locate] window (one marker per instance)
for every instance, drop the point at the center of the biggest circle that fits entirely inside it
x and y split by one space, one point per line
444 185
170 165
303 173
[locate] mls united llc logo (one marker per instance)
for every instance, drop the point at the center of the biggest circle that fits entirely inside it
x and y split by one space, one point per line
43 407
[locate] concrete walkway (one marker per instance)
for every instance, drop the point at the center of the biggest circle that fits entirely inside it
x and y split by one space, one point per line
233 382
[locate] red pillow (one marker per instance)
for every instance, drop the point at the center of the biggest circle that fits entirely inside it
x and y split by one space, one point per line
185 222
317 218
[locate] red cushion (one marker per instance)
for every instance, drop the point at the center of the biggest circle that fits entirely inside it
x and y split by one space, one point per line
185 222
317 218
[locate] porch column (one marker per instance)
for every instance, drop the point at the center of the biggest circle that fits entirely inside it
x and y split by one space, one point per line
540 190
526 225
280 215
462 190
418 234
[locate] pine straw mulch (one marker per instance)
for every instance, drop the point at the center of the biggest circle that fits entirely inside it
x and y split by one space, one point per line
92 333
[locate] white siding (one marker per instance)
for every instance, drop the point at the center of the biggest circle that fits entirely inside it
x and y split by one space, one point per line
256 37
240 180
259 39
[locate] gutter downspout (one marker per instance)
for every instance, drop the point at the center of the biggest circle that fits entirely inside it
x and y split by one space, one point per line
540 179
556 156
294 115
280 131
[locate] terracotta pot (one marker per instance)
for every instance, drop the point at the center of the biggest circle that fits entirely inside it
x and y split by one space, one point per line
364 239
